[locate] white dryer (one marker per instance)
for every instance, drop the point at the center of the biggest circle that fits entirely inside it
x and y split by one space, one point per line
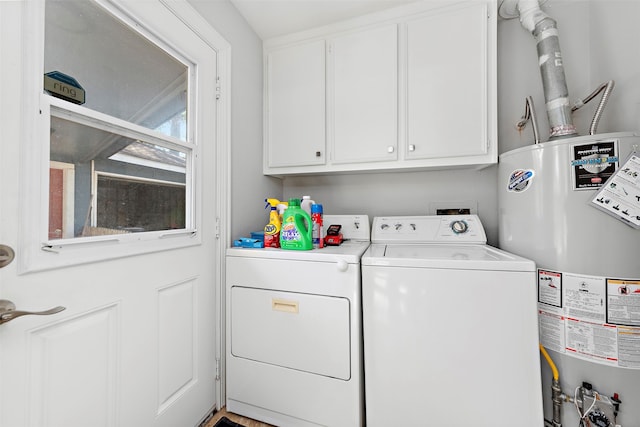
450 327
294 331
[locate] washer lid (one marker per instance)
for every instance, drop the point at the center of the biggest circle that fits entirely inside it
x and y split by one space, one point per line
445 256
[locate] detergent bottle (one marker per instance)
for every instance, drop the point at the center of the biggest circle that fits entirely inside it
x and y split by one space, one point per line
306 203
296 228
272 229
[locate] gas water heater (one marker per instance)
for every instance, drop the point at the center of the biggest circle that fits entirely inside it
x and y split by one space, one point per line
572 205
588 259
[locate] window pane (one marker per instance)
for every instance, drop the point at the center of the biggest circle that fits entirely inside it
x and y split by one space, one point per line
133 206
122 73
120 184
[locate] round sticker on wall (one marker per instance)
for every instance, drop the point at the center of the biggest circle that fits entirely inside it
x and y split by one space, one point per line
520 179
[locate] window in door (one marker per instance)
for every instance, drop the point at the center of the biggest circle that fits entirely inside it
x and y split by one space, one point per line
129 143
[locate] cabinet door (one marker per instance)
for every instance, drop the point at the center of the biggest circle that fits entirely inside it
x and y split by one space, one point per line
447 77
295 105
363 96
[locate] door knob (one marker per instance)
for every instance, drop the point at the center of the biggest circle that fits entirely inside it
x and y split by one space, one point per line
8 311
6 255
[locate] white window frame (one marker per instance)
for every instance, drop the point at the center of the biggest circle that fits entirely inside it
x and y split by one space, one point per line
42 254
84 116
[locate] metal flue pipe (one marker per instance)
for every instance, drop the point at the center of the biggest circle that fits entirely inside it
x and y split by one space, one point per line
554 83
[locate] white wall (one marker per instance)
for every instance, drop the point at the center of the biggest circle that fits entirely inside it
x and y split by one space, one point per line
616 55
402 193
598 40
249 187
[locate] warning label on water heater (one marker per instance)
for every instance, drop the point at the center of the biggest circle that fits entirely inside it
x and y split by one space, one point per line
593 164
590 317
620 196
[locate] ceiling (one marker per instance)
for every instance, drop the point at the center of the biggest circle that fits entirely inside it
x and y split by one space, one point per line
271 18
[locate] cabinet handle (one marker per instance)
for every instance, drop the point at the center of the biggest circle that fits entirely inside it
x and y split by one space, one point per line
390 149
412 147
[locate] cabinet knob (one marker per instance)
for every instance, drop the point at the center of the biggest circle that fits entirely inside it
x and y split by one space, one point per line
412 147
390 149
318 153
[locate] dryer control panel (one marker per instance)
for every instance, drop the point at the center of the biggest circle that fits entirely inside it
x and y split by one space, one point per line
428 229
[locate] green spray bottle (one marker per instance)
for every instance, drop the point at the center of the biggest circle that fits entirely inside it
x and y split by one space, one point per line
297 228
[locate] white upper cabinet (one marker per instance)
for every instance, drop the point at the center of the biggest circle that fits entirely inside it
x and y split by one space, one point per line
447 76
295 105
363 96
411 88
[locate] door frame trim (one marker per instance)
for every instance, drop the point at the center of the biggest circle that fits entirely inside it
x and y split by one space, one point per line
209 35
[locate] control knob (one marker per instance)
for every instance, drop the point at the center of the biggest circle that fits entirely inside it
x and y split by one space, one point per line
459 227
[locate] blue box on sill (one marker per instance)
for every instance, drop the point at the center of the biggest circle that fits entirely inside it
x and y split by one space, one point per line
247 242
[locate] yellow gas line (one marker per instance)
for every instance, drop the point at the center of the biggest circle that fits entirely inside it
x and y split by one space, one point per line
552 365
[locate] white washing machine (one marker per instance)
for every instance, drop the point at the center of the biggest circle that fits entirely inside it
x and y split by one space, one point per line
294 331
450 327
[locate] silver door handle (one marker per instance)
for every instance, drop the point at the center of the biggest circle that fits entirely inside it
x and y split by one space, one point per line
6 255
8 311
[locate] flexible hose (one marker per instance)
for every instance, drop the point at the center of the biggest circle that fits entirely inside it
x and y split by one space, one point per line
529 114
607 87
552 365
603 102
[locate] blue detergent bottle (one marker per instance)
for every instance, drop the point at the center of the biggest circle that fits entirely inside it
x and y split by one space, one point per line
296 228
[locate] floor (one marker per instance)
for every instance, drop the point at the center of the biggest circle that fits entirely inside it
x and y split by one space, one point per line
247 422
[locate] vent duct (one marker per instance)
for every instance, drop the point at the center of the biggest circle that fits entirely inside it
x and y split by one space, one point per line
545 31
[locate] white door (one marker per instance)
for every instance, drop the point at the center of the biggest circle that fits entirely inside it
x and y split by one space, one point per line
129 249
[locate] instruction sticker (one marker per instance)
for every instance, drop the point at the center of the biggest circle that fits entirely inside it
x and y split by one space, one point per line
590 317
520 179
620 196
593 164
551 326
623 302
550 287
